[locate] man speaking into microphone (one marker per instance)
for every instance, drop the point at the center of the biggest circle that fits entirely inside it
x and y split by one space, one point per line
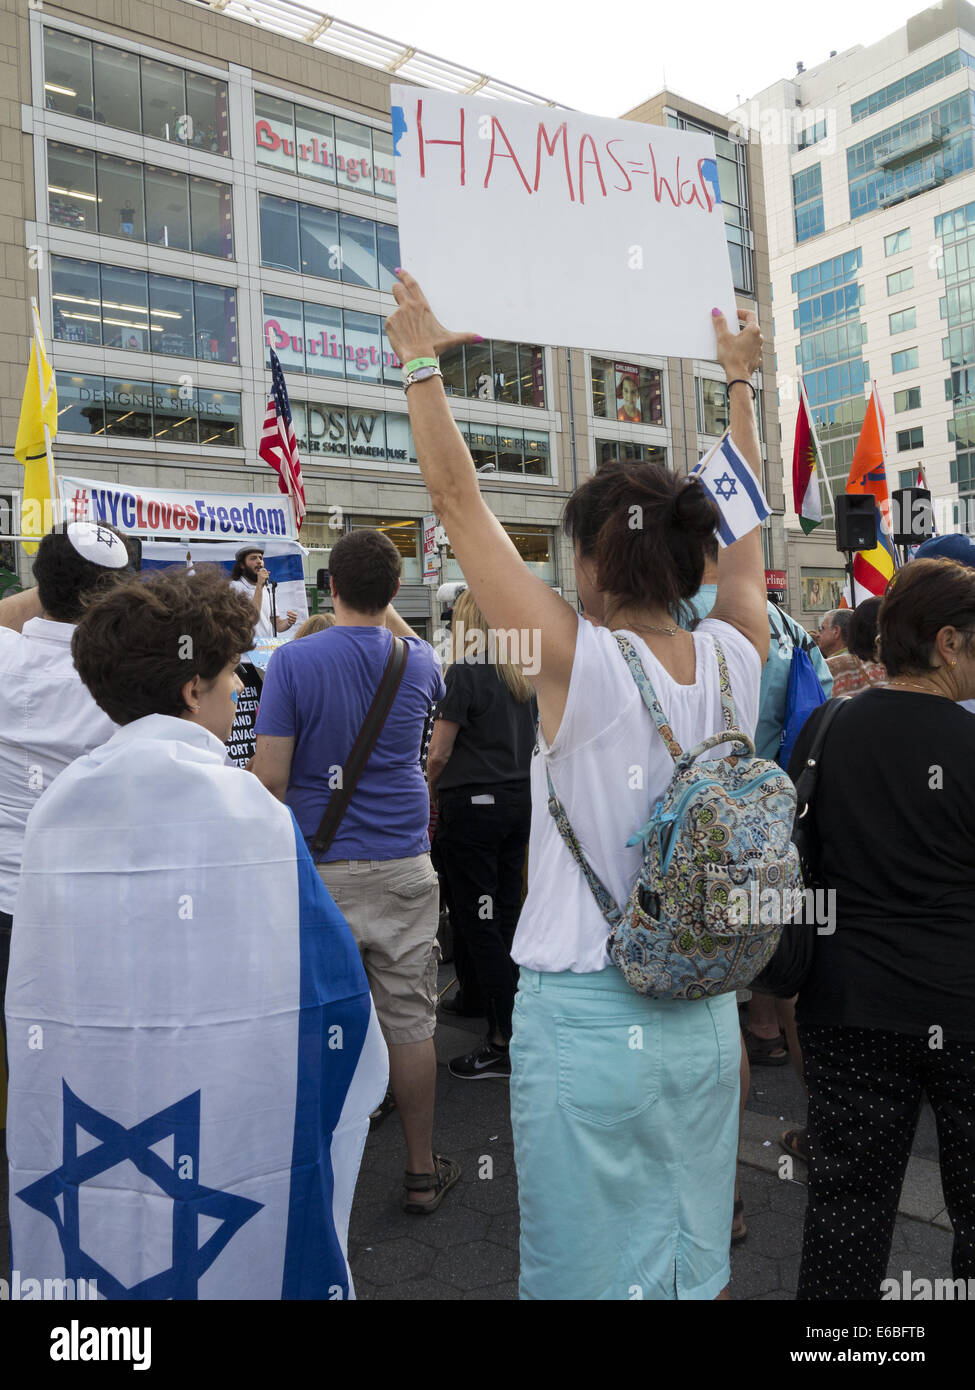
250 578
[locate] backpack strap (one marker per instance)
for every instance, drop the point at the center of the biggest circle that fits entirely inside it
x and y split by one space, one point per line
724 686
600 892
649 696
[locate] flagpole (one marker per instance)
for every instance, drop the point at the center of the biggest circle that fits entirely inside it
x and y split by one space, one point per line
48 448
804 401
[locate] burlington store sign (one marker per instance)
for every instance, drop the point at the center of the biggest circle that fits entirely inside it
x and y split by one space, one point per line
319 153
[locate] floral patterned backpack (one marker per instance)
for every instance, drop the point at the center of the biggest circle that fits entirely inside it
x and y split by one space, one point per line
720 874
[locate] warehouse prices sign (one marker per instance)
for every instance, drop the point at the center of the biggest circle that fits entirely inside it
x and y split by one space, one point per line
552 226
201 514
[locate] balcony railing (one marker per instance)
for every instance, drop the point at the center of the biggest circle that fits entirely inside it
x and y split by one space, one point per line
928 135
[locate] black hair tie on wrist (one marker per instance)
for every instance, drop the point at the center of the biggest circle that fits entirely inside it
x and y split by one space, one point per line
740 381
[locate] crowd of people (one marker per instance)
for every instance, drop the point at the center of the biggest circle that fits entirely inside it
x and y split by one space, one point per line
331 859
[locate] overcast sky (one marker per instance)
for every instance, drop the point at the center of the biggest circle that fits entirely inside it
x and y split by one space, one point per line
607 58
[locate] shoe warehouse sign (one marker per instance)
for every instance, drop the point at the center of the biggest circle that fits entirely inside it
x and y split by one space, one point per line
176 515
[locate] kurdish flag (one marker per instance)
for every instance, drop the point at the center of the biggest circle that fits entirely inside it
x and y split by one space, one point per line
36 428
806 466
872 569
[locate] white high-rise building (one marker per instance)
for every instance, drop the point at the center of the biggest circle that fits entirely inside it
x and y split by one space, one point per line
870 197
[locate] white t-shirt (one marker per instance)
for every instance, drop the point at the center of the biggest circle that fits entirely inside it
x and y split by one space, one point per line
609 767
262 627
47 719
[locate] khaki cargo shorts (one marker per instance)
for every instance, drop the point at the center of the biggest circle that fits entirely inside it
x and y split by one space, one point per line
392 907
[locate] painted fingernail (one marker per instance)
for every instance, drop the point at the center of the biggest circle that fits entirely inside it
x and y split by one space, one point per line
398 270
478 338
715 313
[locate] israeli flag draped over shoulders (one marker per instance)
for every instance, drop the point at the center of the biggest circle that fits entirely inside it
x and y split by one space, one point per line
726 475
193 1048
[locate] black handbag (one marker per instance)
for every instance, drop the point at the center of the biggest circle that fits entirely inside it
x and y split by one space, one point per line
786 972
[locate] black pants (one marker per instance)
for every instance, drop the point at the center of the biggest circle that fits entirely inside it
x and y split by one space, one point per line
482 849
6 922
865 1089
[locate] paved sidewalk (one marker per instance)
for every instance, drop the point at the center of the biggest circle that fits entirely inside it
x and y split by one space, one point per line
469 1248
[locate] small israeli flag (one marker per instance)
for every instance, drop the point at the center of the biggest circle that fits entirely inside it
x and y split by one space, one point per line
738 493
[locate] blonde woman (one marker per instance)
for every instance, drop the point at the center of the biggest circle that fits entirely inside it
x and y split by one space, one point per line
478 767
318 622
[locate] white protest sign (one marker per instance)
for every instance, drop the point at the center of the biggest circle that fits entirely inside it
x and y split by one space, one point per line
549 226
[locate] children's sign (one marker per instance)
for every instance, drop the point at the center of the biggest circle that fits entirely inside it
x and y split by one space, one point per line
537 224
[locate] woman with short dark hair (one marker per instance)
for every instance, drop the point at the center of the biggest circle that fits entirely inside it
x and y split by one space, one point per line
624 1107
193 981
887 1014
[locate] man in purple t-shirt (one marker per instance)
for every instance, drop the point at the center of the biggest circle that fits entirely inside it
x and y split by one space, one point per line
316 694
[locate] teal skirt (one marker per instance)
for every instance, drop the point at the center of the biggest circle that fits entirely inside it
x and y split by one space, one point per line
625 1118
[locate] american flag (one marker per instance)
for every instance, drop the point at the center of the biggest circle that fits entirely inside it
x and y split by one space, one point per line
279 447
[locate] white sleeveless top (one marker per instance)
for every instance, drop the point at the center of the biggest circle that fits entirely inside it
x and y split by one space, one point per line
609 767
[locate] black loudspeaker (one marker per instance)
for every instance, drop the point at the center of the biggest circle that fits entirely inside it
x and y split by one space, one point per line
911 516
856 521
323 582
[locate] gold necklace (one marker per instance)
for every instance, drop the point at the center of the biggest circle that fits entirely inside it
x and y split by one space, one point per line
918 689
648 627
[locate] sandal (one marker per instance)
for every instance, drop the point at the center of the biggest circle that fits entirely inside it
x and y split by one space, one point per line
761 1050
446 1172
738 1236
794 1142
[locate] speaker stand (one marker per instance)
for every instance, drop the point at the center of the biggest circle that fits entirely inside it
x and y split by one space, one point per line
849 572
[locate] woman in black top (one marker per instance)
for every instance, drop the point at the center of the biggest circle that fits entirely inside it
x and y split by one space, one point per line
477 767
888 1011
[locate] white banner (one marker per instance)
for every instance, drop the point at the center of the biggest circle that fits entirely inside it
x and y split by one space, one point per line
557 227
151 511
282 560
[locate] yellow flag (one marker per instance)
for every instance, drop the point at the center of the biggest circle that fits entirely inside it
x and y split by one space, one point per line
38 408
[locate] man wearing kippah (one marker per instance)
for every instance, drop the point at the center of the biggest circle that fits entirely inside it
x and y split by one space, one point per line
250 578
47 718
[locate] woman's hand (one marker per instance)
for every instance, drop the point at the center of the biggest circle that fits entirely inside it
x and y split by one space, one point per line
414 330
739 353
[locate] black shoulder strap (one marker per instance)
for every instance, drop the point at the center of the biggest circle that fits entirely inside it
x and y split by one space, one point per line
365 742
806 781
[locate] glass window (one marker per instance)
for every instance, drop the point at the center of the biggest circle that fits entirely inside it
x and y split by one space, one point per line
384 164
67 74
117 98
905 361
324 341
167 208
398 442
480 379
910 439
392 366
900 280
216 322
403 532
315 144
71 197
897 241
504 364
76 298
80 407
128 409
903 320
359 265
163 100
219 417
511 450
367 433
211 217
279 232
712 407
354 155
125 308
452 366
387 238
537 453
284 332
907 477
626 392
321 253
208 127
171 316
363 350
531 366
176 415
274 132
534 545
329 429
629 451
911 398
482 440
121 210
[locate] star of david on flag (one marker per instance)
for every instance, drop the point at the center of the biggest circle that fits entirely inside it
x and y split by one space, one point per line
177 1180
726 476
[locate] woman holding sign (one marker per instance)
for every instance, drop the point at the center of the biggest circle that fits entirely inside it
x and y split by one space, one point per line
624 1107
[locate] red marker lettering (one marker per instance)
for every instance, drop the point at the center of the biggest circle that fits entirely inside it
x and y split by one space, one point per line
594 161
423 141
609 151
497 129
659 183
550 147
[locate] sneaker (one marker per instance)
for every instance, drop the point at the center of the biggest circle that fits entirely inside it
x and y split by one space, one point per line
486 1060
